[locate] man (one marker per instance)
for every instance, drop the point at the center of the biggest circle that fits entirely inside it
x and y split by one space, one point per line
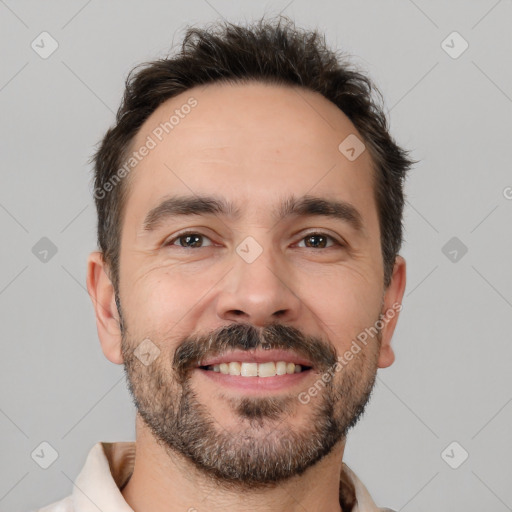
249 205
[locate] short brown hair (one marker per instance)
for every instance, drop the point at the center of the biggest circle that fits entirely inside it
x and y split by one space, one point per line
272 51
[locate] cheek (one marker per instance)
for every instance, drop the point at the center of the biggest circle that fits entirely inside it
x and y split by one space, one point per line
345 304
165 300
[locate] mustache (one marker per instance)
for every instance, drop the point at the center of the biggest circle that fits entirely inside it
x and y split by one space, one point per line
244 336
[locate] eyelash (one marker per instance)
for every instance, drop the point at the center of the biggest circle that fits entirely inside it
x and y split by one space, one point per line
170 242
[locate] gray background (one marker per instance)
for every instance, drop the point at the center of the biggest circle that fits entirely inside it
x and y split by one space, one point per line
451 380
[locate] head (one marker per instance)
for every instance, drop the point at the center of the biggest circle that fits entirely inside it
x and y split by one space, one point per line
249 198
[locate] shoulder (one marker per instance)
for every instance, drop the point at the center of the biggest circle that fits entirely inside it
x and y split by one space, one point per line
64 505
365 502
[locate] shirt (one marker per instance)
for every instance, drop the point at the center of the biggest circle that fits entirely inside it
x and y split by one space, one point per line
108 468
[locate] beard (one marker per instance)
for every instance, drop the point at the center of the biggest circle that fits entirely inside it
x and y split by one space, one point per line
268 444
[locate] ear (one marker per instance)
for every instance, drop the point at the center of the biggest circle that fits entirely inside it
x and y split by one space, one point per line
391 309
102 294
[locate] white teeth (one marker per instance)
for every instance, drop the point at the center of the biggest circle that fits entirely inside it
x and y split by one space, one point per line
249 370
234 368
281 368
268 369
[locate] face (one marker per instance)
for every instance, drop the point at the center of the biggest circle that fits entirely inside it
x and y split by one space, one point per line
251 244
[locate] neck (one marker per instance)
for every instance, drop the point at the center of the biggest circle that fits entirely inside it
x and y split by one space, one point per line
166 481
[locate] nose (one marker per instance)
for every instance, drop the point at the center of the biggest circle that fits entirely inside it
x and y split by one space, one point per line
260 292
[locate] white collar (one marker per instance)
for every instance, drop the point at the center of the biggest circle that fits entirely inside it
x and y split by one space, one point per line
109 466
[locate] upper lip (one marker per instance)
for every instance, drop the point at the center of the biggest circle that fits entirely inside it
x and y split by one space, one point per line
258 356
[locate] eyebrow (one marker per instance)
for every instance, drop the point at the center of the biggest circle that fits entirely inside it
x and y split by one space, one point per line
304 206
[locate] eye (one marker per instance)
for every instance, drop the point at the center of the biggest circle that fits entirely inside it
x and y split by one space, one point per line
188 240
319 240
194 240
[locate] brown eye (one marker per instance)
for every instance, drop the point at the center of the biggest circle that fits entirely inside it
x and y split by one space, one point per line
188 240
319 241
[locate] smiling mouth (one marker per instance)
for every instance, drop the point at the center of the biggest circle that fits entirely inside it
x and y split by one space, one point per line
252 369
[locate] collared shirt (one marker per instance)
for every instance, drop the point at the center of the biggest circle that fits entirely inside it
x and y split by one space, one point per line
108 468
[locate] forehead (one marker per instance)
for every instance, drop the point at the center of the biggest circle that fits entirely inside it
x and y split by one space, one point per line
251 141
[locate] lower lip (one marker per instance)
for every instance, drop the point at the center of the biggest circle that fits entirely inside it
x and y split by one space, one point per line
257 384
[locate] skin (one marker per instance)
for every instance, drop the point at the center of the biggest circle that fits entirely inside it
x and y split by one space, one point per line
253 144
